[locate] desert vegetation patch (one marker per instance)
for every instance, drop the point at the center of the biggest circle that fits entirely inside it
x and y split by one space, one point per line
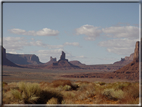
68 92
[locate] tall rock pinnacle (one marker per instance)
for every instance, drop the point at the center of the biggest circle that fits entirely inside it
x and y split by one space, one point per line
136 53
62 57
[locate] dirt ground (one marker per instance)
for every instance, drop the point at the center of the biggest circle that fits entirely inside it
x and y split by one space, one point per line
14 74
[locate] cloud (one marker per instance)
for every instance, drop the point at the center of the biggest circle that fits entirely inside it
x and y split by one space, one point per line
119 46
122 32
90 31
43 32
18 43
72 44
15 43
55 46
38 43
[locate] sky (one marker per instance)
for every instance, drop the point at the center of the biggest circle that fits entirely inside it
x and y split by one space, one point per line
92 33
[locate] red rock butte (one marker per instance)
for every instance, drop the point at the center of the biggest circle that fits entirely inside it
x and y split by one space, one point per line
62 63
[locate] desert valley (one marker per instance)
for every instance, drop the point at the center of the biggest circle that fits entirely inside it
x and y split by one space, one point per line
63 80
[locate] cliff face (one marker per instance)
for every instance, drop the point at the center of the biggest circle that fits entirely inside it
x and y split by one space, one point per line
136 53
131 70
23 59
5 61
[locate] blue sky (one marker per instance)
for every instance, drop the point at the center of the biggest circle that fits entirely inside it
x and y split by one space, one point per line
93 33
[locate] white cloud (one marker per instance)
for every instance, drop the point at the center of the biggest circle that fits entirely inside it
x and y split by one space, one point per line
14 43
37 43
43 32
90 31
122 32
18 31
47 32
18 43
119 46
82 56
73 43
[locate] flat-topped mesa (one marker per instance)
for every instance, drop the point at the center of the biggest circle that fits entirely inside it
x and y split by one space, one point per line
62 57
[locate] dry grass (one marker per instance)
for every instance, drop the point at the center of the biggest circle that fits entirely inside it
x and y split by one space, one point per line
67 92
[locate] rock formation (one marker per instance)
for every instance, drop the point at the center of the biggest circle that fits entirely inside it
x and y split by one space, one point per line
62 63
131 70
23 59
136 53
125 61
128 72
5 61
52 60
62 57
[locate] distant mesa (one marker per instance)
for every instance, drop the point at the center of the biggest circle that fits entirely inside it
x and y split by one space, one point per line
62 63
5 61
23 59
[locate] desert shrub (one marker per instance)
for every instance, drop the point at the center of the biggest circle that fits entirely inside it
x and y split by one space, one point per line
6 88
74 86
132 91
82 96
100 83
91 91
53 101
122 85
7 97
46 95
113 94
57 83
28 92
69 95
4 84
67 87
82 87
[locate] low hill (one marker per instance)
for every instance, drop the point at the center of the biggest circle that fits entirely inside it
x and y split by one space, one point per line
78 63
